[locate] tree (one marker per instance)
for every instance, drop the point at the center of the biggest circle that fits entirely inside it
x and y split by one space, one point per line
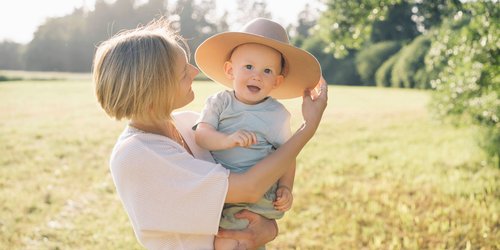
221 22
10 55
306 21
407 69
398 25
68 43
57 45
247 10
123 15
99 22
151 10
384 72
463 61
194 21
428 14
334 70
348 25
372 57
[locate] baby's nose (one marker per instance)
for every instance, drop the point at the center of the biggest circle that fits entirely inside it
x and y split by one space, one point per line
257 76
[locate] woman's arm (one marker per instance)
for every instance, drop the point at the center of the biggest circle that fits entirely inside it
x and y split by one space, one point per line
251 185
288 178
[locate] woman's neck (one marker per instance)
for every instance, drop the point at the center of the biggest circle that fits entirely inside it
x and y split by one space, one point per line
161 128
166 128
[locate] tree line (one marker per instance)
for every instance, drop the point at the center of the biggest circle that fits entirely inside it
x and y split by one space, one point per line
68 43
449 46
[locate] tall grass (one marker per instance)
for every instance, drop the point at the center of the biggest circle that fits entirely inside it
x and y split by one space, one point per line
379 174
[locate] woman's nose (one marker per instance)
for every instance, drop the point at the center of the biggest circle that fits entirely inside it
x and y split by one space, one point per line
195 71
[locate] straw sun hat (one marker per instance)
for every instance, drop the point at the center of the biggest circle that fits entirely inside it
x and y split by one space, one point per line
301 71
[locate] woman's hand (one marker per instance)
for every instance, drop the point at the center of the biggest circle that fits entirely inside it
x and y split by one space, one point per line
314 103
259 231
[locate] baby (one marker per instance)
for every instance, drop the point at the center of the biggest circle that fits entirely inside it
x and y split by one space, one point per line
242 126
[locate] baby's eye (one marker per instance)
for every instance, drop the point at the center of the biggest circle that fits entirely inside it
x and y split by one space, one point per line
268 71
248 66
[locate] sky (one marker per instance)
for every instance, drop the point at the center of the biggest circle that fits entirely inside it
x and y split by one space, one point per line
19 19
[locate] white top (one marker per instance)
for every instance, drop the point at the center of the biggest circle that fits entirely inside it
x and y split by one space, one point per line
173 200
269 120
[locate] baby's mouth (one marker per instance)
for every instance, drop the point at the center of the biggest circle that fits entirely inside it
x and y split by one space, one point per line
253 89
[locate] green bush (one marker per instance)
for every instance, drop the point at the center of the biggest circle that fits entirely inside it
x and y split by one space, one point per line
383 74
371 57
4 78
336 71
464 60
344 71
422 79
410 61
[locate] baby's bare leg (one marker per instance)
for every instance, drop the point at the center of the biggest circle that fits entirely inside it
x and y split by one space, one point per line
225 244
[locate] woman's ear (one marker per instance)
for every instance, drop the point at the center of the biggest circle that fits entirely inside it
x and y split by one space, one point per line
228 70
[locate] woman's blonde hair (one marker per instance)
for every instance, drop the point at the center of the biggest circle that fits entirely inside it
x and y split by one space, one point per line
134 72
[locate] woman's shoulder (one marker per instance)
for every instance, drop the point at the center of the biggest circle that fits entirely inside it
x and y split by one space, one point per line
134 146
184 121
140 152
135 139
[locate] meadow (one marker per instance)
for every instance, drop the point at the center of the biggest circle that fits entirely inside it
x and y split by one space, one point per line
381 173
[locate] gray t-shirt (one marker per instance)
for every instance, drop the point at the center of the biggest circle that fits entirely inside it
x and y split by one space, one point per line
269 120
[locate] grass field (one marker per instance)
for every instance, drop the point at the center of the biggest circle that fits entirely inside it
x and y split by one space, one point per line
379 174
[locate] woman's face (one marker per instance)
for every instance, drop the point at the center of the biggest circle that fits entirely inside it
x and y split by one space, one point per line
185 73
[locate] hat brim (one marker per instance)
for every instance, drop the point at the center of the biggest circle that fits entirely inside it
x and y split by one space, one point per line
302 69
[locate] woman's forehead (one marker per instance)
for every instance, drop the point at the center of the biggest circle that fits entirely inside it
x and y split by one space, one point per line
181 59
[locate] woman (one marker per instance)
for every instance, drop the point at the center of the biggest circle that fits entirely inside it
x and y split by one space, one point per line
172 190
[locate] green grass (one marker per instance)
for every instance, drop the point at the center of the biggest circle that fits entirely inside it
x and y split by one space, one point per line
379 174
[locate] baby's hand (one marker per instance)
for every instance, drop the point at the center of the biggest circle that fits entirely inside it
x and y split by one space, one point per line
241 138
284 199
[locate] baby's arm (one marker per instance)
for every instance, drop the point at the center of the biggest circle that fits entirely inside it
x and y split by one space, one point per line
209 138
284 197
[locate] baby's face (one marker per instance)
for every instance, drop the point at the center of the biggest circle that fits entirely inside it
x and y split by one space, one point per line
255 70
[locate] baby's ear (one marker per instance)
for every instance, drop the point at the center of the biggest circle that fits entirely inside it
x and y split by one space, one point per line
228 70
279 81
